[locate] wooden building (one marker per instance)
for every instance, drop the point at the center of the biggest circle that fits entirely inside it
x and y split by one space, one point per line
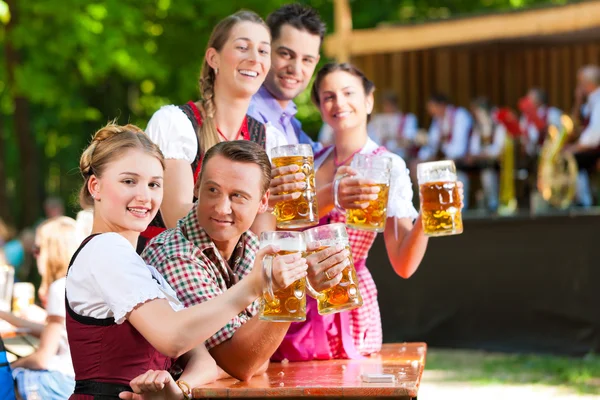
499 55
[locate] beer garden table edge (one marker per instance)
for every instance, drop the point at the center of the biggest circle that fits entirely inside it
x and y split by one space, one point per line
283 380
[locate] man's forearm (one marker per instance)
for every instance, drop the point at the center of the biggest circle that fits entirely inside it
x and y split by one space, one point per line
250 348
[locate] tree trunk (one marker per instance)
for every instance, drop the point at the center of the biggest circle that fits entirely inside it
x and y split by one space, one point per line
29 194
4 208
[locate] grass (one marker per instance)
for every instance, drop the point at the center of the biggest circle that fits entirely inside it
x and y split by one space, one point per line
582 375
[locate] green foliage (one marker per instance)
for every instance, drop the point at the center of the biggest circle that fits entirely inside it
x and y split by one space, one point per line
85 62
577 373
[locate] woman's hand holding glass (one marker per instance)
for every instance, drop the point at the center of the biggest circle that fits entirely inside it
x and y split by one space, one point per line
325 267
354 192
287 184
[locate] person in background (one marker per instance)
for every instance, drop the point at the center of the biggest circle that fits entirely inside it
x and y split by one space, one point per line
85 221
54 207
536 116
448 136
48 371
587 147
394 129
485 148
5 233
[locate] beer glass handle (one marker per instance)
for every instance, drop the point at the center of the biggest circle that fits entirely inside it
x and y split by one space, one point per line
336 187
268 271
313 293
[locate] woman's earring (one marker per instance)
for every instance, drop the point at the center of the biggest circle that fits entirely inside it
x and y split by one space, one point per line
216 71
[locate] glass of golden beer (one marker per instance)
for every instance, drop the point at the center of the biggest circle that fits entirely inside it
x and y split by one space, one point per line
23 297
7 279
377 168
440 199
345 295
287 304
301 212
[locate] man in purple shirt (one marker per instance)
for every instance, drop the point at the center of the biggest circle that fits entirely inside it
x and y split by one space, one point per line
297 33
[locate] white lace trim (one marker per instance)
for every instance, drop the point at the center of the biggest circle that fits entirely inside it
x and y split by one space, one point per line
140 298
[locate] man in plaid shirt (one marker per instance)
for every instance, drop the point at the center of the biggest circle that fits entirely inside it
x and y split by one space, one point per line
211 249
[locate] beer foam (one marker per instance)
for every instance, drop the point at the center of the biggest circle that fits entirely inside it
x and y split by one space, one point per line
332 242
285 244
436 171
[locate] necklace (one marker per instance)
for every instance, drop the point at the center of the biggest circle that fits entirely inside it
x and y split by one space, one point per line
339 164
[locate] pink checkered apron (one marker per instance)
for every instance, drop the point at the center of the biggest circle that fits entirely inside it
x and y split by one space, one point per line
352 334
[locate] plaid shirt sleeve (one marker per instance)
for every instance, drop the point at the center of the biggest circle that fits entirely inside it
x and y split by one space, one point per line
195 284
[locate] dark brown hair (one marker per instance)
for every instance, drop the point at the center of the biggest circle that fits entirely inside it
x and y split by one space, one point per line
327 69
243 151
367 84
299 16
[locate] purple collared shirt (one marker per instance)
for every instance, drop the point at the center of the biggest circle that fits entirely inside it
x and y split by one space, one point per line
265 108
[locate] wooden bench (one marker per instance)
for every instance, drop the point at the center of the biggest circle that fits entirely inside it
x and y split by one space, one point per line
331 378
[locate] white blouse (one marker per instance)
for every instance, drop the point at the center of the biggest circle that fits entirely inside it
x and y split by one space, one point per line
494 149
61 361
174 134
109 279
400 203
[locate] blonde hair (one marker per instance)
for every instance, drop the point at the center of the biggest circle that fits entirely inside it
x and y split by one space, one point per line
207 133
85 222
57 239
108 144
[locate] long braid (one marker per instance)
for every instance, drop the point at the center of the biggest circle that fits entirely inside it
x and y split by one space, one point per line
208 135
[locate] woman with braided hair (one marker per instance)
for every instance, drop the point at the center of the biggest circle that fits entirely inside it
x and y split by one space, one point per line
236 63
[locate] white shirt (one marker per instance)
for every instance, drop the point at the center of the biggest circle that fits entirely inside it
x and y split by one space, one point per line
456 120
61 361
552 114
591 134
109 279
400 203
477 148
174 134
386 129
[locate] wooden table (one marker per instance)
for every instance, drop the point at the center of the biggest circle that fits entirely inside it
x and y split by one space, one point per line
332 378
17 341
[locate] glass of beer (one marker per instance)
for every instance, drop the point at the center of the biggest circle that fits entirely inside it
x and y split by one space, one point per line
440 200
377 168
7 278
301 212
287 304
345 295
23 297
